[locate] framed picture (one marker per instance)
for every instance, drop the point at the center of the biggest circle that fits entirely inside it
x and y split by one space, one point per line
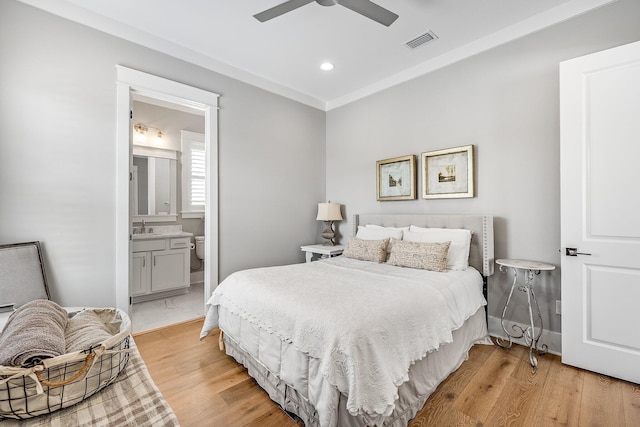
396 178
448 173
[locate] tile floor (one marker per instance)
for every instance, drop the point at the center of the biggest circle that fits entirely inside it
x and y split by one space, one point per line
162 312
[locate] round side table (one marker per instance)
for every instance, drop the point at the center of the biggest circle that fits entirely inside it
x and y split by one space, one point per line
530 269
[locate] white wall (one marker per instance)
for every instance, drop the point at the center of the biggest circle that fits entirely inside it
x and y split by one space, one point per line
505 102
58 154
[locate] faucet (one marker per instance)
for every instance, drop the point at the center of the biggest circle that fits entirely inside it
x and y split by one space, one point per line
142 230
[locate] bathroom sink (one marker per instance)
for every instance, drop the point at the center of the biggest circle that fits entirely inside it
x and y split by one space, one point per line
145 235
164 234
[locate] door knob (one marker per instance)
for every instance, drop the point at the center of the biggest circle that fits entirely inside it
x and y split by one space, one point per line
573 252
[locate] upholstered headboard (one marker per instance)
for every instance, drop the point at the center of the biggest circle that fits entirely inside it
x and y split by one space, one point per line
481 252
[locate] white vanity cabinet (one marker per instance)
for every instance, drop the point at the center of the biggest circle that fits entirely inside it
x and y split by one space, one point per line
140 273
158 266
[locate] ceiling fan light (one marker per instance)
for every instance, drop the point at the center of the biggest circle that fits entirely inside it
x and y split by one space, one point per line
327 2
327 66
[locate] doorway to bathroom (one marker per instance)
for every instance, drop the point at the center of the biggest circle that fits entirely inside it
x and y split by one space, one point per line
156 227
168 209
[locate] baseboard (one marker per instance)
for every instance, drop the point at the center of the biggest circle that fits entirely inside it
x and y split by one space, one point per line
159 295
552 339
196 277
184 322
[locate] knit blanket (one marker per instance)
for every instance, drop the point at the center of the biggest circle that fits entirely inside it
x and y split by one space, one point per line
89 328
365 330
35 331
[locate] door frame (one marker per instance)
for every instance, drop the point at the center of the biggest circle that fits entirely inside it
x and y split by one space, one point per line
131 81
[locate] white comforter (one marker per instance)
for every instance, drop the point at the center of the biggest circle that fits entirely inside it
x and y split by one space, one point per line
366 323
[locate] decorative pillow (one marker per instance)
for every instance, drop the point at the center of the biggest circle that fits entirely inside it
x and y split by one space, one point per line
377 232
458 258
425 256
366 250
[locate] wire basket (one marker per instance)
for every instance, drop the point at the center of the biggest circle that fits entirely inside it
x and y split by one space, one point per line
64 380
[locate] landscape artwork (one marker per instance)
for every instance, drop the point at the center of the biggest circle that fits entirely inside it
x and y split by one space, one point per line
396 178
448 173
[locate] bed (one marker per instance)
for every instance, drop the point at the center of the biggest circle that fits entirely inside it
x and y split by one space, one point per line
348 342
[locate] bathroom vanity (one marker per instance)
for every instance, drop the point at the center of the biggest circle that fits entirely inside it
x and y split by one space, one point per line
160 265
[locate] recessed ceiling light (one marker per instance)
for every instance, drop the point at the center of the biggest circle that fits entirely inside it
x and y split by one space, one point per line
327 66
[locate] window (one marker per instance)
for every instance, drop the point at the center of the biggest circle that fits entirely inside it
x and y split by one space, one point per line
193 175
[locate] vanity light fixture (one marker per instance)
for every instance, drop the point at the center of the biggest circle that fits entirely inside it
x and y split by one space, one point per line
141 130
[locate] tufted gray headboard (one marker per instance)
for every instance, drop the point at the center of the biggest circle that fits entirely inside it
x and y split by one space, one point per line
481 252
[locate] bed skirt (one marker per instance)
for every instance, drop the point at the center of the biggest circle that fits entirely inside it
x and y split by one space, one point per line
279 370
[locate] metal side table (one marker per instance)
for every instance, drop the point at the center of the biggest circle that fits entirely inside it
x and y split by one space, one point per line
531 269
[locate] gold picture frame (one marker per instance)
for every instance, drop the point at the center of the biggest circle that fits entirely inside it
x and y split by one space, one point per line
448 174
396 178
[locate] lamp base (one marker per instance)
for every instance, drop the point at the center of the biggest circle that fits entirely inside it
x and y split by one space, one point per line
328 234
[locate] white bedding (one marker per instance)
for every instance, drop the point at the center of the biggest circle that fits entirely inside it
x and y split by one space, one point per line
370 323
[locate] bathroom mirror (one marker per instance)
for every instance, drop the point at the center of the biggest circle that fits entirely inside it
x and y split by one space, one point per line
154 185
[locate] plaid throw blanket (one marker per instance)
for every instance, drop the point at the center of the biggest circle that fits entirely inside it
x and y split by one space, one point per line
132 400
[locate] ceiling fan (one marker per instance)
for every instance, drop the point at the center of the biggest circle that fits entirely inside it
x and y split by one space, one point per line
363 7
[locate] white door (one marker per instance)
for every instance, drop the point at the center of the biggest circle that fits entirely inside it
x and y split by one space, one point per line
600 203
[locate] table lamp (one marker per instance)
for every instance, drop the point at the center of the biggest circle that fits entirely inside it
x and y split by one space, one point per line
329 212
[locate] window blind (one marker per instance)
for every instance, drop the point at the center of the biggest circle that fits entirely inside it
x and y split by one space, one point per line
194 192
197 194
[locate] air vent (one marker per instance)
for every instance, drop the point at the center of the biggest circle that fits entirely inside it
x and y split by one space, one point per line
421 40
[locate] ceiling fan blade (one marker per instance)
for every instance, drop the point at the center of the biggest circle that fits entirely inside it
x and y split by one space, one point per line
370 10
280 9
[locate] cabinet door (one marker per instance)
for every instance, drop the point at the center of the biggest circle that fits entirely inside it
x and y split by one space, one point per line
140 273
170 269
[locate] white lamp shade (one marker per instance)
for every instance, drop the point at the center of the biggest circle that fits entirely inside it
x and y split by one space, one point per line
329 212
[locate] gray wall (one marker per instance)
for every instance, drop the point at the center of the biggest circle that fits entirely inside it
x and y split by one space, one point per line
505 102
58 154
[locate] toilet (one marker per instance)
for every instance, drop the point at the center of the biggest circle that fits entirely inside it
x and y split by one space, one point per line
200 247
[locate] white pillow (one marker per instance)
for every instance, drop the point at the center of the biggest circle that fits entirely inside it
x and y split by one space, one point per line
378 233
387 228
458 256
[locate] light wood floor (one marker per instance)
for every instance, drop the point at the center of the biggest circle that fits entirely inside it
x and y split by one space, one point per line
495 387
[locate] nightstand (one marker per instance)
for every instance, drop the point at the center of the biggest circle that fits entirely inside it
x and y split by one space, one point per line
313 252
530 269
